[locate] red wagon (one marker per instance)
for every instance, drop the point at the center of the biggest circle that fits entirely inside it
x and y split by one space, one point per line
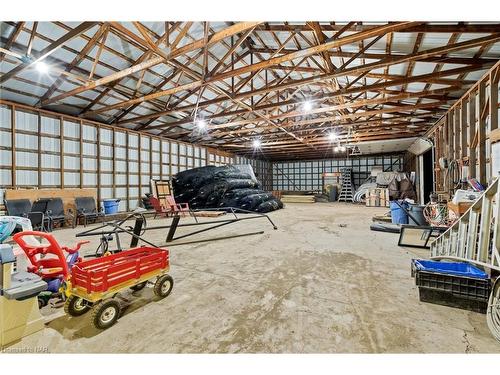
94 283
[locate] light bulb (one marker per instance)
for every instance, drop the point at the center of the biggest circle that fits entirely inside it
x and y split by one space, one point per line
256 143
201 124
332 136
42 67
307 106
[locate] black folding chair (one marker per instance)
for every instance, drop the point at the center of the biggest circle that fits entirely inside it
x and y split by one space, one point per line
86 209
23 208
55 210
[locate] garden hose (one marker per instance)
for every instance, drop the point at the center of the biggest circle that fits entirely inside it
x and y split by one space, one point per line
454 174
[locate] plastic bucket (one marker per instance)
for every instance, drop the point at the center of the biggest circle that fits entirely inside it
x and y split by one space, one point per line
417 212
398 215
110 206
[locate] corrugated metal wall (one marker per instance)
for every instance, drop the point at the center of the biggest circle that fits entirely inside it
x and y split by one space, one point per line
307 175
44 150
57 151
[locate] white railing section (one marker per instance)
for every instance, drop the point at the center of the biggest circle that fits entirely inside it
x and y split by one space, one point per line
471 239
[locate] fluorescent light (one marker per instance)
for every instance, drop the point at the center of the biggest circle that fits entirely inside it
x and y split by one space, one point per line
256 143
42 67
332 136
201 124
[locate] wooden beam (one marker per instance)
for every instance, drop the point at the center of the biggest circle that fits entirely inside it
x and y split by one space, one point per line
84 26
375 31
379 56
222 76
99 51
329 108
458 27
463 128
321 110
12 38
357 69
472 133
481 129
78 58
369 124
493 103
142 58
231 50
282 87
32 38
220 35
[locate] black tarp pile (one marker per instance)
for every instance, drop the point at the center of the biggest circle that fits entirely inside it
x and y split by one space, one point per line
226 186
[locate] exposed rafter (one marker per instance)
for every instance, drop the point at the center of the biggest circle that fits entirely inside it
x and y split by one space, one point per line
287 84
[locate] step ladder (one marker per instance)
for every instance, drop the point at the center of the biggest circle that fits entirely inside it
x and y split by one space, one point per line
347 190
475 238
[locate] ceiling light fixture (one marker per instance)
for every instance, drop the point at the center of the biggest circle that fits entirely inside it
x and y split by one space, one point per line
332 136
42 67
307 106
256 143
201 124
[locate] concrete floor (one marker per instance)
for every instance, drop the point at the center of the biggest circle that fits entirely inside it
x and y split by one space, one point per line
311 286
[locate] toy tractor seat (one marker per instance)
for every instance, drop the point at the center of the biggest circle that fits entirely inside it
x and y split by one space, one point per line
48 259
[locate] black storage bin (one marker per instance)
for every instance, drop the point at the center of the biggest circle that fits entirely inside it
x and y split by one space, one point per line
462 292
454 291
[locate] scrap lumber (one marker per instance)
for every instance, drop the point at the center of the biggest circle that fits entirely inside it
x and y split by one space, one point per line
298 199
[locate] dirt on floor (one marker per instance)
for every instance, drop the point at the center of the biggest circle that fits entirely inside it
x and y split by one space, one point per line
321 283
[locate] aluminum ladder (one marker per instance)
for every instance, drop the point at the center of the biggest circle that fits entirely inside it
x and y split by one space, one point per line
475 238
346 191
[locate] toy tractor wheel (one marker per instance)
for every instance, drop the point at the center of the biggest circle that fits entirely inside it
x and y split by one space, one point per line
138 287
76 306
163 286
105 313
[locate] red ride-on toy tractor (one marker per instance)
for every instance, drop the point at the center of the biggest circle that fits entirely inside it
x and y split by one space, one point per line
48 260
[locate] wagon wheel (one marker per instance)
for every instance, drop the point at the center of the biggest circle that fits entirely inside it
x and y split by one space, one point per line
105 313
76 306
163 286
139 286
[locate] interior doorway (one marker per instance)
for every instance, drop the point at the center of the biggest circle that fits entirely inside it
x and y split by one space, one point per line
427 175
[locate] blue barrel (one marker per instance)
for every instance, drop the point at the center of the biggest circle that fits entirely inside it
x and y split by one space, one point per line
111 206
398 215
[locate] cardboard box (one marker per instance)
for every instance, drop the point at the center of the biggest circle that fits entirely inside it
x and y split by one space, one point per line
459 209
